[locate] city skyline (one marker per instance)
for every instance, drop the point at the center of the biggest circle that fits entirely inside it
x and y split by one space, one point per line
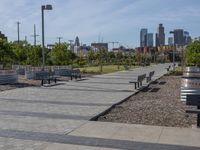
114 20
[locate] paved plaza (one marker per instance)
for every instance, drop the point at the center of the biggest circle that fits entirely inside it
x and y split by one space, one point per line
35 118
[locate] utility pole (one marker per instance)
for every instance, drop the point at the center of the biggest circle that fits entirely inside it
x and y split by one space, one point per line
59 39
34 35
174 49
18 23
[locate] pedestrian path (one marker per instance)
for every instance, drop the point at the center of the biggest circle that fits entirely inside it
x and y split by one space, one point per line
34 117
102 135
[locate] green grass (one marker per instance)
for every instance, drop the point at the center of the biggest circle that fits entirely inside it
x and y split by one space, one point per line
106 69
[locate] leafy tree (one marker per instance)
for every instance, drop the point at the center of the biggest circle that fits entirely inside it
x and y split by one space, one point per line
34 55
6 53
61 55
20 53
192 54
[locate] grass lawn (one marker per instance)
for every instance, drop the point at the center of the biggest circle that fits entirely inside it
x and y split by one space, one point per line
106 69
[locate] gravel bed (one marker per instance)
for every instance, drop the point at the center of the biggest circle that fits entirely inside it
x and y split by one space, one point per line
159 104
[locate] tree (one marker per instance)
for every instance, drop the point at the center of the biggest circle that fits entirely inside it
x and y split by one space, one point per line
61 55
20 53
192 54
6 53
34 55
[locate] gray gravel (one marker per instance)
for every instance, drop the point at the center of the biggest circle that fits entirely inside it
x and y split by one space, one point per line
159 104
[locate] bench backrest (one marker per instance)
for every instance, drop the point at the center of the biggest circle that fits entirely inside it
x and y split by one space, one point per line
141 77
42 75
151 73
193 100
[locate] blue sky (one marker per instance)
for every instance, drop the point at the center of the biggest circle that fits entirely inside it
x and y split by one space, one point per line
113 20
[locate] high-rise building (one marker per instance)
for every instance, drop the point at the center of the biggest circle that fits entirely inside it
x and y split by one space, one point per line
160 36
149 39
179 37
143 37
187 37
77 43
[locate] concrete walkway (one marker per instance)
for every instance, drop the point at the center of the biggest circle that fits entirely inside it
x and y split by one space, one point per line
33 118
102 135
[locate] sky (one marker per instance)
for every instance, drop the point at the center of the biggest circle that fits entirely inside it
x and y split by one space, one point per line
94 20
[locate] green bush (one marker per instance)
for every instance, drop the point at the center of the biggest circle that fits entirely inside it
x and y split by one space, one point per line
192 54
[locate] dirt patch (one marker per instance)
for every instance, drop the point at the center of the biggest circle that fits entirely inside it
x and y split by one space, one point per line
159 104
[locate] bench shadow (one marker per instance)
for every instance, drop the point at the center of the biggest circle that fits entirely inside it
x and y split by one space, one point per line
162 83
146 89
155 90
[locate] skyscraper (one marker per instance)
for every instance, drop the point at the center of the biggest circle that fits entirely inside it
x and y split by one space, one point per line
149 38
77 43
178 37
187 37
160 36
143 37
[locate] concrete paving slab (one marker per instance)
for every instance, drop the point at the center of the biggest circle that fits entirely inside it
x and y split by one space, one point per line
180 136
121 131
188 137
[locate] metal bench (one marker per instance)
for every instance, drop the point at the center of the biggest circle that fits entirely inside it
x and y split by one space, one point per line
126 67
68 73
168 68
138 81
45 76
150 76
194 100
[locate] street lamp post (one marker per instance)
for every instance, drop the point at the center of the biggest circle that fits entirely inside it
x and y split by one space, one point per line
18 23
172 32
44 7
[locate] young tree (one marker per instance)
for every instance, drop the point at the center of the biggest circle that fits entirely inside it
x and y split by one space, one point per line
192 54
6 53
61 55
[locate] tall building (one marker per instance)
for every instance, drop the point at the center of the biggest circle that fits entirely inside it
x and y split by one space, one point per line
170 41
149 39
160 36
77 42
179 37
143 37
187 37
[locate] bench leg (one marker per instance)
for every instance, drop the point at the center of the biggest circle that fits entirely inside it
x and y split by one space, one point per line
138 84
42 82
135 85
71 77
198 118
49 81
55 80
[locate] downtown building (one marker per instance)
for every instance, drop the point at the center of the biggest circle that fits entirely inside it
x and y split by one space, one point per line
160 36
143 37
181 37
146 39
